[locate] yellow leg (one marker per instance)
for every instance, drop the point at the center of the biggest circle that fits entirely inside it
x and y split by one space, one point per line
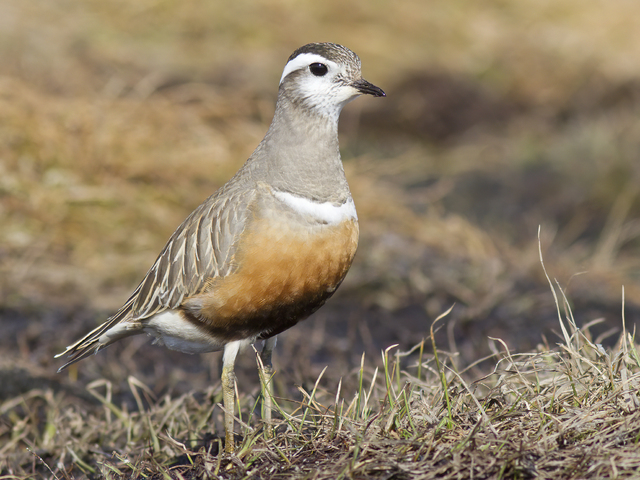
266 374
228 392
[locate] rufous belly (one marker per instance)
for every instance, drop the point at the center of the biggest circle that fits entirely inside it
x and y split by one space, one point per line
286 271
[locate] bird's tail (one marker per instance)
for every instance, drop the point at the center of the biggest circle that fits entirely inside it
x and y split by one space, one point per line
115 328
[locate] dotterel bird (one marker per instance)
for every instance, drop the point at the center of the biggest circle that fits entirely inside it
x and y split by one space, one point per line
268 248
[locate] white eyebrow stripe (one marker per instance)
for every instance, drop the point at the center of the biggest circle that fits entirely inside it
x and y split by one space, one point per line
303 60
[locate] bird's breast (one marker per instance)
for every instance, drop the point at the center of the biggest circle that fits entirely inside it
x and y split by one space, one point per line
287 266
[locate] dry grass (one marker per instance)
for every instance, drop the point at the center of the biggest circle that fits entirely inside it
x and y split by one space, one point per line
566 412
117 118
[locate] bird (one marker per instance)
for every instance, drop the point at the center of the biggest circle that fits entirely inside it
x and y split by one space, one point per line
269 247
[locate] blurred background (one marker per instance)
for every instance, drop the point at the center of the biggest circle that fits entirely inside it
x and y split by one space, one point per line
117 118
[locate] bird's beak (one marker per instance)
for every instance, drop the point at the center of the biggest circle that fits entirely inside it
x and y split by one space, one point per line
368 88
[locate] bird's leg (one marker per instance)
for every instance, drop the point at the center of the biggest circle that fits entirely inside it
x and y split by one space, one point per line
266 374
228 392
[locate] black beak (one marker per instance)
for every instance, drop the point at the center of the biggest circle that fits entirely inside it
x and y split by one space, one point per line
368 88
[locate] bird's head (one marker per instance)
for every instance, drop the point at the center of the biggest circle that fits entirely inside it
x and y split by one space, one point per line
323 78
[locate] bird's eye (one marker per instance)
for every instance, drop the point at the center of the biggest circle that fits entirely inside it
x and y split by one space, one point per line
318 69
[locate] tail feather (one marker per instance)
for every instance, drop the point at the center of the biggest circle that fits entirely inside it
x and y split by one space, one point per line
97 339
78 355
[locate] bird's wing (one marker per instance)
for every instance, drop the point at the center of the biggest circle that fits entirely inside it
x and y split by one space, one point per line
200 249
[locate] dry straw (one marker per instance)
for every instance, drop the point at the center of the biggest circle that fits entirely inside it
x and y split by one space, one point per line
571 411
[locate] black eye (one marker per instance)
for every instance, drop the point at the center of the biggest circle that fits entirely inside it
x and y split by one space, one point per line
318 69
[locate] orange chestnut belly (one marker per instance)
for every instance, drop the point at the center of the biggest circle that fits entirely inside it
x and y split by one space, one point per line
285 273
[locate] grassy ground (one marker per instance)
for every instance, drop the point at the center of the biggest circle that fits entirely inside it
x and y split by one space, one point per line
566 412
118 118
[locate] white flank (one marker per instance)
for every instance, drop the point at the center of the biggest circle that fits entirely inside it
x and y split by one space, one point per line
173 331
304 60
325 212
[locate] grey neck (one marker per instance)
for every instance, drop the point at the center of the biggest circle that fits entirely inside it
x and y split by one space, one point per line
300 154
